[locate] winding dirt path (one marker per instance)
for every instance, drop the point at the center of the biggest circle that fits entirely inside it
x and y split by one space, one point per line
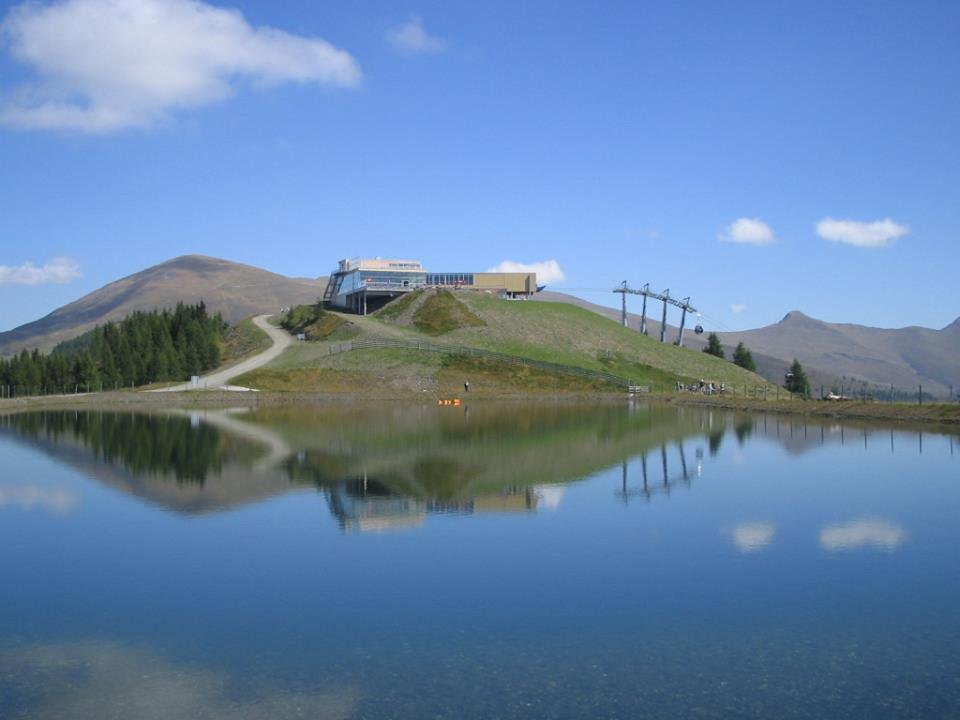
220 379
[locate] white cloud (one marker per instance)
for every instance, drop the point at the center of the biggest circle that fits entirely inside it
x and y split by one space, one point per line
738 308
753 537
101 65
748 231
55 500
878 233
148 684
868 532
59 270
548 271
411 38
549 497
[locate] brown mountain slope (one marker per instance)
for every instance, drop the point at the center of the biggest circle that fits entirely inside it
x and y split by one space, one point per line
831 353
232 289
902 357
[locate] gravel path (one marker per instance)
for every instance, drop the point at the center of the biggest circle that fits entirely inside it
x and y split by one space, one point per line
220 379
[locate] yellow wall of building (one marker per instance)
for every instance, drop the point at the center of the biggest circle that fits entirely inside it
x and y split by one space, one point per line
511 282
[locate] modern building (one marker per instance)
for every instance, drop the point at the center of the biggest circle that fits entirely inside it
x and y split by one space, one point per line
365 504
363 285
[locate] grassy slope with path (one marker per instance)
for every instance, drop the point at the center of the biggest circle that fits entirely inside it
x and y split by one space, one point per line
243 340
550 332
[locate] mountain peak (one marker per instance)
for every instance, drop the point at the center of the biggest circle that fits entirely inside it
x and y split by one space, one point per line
232 289
195 262
954 326
795 316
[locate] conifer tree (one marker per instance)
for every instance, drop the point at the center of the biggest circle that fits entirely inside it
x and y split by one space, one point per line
743 358
713 346
796 380
142 348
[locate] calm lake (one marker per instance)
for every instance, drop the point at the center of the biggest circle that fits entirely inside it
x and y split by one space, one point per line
483 561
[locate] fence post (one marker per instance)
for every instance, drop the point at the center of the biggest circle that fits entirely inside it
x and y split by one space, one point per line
920 394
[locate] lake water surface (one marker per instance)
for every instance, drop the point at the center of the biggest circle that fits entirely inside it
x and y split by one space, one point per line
487 561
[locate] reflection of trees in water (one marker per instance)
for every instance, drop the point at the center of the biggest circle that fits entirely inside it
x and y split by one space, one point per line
714 440
743 429
158 445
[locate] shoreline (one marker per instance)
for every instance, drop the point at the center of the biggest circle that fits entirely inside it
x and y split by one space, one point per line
933 413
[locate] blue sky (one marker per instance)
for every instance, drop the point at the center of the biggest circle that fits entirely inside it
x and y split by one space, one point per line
623 140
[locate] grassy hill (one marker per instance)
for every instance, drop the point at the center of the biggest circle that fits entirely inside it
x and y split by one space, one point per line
833 354
234 290
549 332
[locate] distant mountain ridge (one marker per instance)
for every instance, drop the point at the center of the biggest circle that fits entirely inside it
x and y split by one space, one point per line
902 357
831 353
234 290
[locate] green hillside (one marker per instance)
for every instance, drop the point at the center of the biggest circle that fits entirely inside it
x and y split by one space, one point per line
548 332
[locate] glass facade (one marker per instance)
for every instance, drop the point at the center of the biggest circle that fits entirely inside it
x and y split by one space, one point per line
381 280
449 278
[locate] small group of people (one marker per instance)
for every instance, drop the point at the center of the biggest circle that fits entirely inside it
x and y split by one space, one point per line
707 388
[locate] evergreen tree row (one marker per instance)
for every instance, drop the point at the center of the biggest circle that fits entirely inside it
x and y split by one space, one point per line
741 356
145 347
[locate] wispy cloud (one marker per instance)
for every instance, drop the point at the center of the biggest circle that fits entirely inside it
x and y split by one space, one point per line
748 231
55 500
878 233
411 38
59 270
753 537
548 271
867 532
152 684
102 65
738 308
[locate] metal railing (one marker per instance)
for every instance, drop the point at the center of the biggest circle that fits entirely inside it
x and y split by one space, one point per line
367 343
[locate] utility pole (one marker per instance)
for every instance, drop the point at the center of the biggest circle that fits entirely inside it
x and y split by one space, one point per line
683 319
663 323
623 297
623 288
643 313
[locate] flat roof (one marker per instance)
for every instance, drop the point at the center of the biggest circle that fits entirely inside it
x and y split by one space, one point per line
380 264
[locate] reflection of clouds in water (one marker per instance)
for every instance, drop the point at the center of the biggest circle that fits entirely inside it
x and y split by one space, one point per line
52 499
867 532
105 680
753 537
549 497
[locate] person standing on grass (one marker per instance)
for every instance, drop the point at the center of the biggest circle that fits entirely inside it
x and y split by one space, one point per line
466 386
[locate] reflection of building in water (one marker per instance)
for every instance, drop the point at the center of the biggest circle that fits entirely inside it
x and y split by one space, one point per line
652 482
511 500
369 505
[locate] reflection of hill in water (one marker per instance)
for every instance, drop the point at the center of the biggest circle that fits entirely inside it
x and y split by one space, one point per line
798 435
175 461
451 453
392 465
479 458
